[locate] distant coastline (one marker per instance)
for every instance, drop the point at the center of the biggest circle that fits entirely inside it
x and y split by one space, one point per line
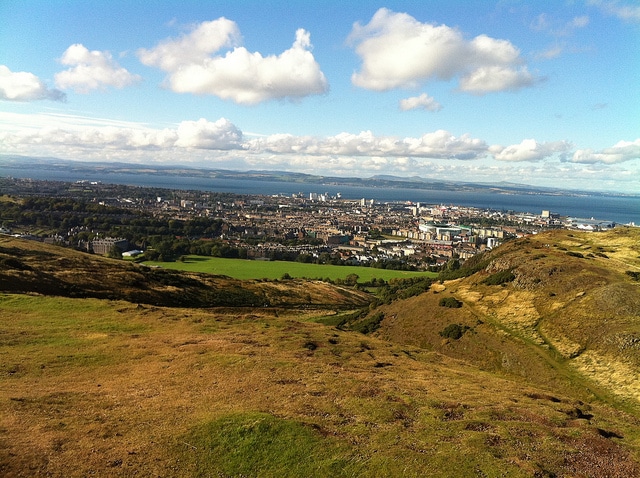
616 207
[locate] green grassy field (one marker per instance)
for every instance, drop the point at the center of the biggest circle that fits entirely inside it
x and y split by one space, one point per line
245 269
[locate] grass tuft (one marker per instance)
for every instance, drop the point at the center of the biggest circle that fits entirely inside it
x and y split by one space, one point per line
259 444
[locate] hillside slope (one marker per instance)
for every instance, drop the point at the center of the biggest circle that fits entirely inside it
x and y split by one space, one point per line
556 308
108 388
34 267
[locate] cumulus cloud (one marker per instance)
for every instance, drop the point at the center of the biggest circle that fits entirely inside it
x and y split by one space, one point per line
199 135
25 86
438 145
437 154
397 51
91 70
195 65
203 134
496 78
442 144
111 138
192 48
422 102
618 153
530 150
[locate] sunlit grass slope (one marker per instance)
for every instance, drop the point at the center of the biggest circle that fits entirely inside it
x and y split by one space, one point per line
109 388
568 315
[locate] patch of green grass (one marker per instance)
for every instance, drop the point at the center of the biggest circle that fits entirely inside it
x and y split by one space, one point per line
258 444
246 269
41 333
63 317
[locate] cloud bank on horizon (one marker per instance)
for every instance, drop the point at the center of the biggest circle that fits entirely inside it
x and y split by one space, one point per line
392 72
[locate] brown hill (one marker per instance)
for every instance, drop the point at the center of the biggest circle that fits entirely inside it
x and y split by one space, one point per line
555 308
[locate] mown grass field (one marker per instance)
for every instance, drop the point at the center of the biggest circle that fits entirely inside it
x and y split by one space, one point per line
245 269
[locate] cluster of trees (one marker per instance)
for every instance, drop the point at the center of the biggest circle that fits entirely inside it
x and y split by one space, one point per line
167 249
454 269
59 215
81 220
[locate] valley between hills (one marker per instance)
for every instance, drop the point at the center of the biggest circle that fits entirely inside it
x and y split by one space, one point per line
522 363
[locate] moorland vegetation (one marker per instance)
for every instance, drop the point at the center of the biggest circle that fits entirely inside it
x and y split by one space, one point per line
110 368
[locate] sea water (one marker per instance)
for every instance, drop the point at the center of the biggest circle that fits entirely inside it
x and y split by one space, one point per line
614 208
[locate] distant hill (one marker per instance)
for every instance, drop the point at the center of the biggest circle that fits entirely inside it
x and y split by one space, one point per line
526 367
378 181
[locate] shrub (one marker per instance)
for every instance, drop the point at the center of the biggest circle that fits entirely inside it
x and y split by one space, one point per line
498 278
575 254
370 324
403 289
469 267
634 275
450 302
453 331
311 345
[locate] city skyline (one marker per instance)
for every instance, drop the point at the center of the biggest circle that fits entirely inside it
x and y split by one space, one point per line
537 93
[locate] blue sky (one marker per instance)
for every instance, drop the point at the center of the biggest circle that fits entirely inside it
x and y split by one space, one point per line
544 93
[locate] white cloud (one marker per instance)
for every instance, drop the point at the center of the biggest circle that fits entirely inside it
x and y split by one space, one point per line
398 51
579 22
530 150
193 48
111 138
629 13
439 144
82 134
91 70
552 52
496 78
618 153
203 134
442 144
221 144
239 75
422 102
25 86
559 28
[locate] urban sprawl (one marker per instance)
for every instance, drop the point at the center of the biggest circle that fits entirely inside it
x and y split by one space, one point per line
303 227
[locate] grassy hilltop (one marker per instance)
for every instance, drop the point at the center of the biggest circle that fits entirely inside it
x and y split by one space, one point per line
528 367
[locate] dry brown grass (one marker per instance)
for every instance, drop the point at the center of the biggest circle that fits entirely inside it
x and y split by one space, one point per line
559 307
111 389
